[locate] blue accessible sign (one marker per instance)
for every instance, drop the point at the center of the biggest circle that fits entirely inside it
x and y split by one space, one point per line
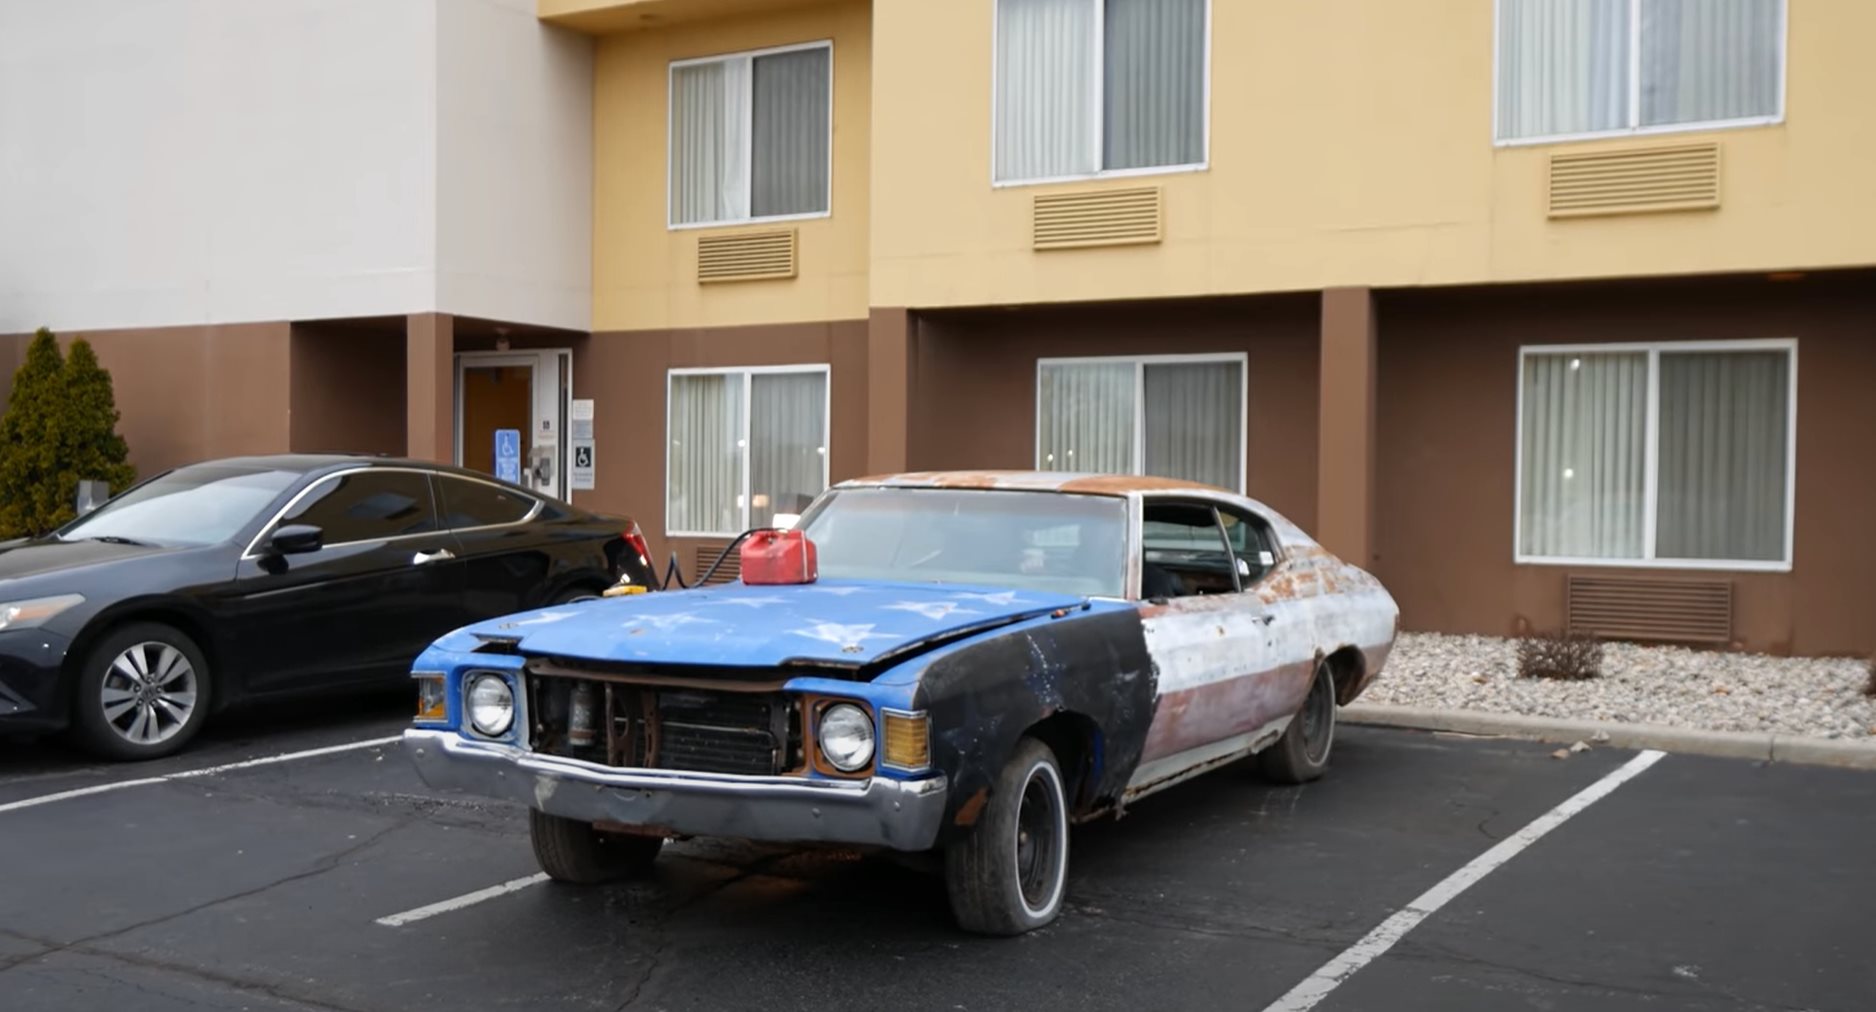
508 455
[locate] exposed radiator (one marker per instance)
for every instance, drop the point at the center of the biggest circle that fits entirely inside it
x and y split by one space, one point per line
1650 610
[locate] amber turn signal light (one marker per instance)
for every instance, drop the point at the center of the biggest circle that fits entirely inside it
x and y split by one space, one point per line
907 740
430 702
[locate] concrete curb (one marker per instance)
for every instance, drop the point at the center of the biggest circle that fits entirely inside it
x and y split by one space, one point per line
1765 747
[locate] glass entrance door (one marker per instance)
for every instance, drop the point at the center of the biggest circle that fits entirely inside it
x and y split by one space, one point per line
519 392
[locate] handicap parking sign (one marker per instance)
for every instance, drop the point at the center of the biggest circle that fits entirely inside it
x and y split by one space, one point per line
508 455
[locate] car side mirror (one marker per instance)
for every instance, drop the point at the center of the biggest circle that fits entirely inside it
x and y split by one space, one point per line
296 539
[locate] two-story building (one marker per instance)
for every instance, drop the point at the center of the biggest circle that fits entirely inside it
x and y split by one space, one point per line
1547 311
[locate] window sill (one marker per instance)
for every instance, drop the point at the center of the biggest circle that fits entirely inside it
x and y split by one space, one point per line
1653 131
1156 170
1738 566
746 222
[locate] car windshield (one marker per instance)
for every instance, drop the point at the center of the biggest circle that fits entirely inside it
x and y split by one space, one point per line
199 505
1072 544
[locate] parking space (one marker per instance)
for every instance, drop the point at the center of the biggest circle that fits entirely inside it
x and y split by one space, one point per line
1697 884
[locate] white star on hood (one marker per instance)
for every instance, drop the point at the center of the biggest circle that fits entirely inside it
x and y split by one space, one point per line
1006 597
843 636
934 610
543 618
665 623
748 602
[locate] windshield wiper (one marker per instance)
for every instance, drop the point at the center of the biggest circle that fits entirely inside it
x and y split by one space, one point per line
113 539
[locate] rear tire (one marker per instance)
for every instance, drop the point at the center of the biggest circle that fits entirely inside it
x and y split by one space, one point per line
1302 754
574 852
1009 874
143 692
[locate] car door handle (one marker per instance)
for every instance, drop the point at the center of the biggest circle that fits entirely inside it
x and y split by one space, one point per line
437 556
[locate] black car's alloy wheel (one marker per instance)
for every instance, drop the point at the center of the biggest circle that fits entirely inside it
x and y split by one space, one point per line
143 693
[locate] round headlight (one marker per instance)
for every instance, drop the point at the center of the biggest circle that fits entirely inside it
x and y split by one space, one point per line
491 704
846 737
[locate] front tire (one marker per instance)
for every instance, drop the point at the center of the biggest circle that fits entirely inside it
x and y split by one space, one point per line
574 852
143 692
1008 875
1302 754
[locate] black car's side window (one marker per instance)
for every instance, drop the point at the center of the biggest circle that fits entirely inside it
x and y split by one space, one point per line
1185 553
478 504
367 506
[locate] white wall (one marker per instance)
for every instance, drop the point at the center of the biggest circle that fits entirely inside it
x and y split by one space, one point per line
514 165
167 162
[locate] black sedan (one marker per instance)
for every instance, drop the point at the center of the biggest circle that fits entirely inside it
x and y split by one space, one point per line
268 576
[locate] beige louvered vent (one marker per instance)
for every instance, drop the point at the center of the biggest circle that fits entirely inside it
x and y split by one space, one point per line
1680 177
1097 218
1629 608
730 571
747 256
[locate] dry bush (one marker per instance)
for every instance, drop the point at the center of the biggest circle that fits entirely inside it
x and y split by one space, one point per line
1869 688
1569 656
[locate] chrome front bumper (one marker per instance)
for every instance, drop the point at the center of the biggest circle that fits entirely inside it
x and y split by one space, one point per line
901 814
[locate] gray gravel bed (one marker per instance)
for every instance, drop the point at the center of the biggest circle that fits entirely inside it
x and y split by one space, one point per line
1717 691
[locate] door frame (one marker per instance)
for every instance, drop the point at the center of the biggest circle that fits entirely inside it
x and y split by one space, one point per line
551 362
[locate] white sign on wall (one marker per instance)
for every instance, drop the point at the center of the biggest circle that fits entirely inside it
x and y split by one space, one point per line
580 442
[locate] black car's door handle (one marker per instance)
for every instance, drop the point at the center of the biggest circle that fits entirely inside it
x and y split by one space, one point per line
439 555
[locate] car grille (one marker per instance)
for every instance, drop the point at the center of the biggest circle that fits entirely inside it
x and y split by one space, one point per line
704 730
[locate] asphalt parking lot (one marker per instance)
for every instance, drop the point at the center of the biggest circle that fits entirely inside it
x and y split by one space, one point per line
1694 884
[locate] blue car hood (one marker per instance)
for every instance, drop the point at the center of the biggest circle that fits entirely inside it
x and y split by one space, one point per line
833 622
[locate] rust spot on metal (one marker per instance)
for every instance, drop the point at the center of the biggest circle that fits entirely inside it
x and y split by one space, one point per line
1121 484
973 807
1034 481
627 829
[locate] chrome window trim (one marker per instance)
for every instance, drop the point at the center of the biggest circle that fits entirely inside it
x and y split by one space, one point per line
248 554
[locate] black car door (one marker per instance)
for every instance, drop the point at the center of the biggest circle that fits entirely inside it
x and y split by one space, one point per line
380 588
507 562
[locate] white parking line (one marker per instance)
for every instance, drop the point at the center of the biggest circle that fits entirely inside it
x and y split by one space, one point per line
465 900
1336 971
46 799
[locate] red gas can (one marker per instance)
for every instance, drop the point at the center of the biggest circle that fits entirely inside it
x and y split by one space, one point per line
774 557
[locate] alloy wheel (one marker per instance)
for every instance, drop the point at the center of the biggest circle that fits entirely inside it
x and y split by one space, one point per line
148 693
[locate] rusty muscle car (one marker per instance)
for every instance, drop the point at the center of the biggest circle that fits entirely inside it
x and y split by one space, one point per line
981 661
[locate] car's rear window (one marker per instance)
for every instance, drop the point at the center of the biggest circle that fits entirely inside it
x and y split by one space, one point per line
1025 540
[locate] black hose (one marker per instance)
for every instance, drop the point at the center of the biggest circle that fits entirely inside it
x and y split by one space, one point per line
727 549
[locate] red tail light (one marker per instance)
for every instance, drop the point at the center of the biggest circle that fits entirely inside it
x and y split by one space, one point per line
636 538
775 557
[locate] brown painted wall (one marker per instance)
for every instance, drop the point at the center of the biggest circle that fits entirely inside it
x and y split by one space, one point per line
974 380
189 393
624 374
1447 414
347 389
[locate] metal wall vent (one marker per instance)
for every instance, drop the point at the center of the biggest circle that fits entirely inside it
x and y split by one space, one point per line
748 256
1680 177
729 572
1668 611
1096 218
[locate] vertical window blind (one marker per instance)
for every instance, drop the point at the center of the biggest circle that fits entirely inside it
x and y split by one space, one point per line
1088 86
1584 67
743 446
750 136
1713 483
1167 418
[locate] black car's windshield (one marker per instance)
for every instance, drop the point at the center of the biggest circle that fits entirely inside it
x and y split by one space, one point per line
1072 544
199 505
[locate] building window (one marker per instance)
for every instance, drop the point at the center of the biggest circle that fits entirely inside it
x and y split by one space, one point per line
750 136
745 445
1170 416
1086 87
1671 454
1583 68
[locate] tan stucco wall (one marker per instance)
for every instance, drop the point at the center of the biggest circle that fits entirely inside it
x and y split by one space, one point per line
644 272
1351 144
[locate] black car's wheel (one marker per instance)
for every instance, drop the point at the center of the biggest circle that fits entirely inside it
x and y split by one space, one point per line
1302 754
572 851
143 692
1009 874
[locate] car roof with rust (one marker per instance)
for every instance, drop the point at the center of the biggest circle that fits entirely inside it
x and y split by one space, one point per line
1072 482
